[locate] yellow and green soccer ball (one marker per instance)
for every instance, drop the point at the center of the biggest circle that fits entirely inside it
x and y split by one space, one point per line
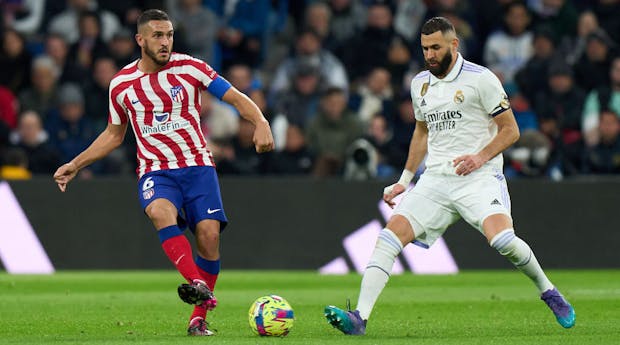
271 316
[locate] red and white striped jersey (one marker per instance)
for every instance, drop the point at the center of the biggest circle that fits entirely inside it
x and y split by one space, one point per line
164 111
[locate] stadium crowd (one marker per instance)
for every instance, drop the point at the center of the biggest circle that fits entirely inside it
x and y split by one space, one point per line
332 77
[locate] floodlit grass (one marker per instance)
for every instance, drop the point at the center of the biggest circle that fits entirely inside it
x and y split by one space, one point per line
473 307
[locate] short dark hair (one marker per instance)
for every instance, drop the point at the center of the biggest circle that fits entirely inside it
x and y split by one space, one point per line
152 14
437 24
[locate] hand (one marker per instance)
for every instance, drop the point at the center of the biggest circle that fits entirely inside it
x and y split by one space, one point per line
466 164
390 192
263 139
64 174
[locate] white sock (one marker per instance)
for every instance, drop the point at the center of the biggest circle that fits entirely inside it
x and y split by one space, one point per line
378 271
521 255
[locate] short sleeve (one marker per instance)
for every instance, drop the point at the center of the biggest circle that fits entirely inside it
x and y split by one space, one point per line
211 80
116 111
417 88
493 98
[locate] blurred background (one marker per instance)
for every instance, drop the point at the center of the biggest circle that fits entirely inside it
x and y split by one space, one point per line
333 79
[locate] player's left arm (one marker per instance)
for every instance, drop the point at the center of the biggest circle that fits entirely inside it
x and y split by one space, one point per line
494 101
507 134
263 139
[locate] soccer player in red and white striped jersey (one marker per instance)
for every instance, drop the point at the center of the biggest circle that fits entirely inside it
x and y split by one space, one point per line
159 95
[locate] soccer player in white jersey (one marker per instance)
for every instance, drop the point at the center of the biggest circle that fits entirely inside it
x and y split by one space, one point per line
463 123
159 94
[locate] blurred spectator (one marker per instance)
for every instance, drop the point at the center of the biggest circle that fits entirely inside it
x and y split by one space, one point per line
559 114
15 165
8 107
384 47
592 70
458 12
605 97
331 132
558 15
127 11
66 22
532 78
42 96
122 48
374 96
89 46
97 94
402 124
308 51
562 104
529 156
15 61
348 19
241 36
409 17
198 24
486 16
380 135
295 158
32 139
317 18
240 76
604 158
240 158
300 104
219 121
279 38
508 50
608 12
57 49
69 130
24 16
586 24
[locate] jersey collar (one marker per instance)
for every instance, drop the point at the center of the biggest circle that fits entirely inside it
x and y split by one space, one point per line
454 72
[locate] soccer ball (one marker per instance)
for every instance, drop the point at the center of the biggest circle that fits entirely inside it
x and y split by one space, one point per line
271 316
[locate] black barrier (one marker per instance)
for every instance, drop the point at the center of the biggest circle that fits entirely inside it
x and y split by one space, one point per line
299 223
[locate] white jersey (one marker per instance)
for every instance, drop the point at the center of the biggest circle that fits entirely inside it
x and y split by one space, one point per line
458 111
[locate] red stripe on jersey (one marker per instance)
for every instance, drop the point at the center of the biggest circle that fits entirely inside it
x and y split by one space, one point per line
176 149
148 119
192 120
146 102
161 94
198 85
160 155
202 67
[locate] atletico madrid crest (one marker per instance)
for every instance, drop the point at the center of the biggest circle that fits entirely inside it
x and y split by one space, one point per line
176 92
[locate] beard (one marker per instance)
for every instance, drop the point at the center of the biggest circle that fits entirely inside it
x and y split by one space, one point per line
442 68
155 57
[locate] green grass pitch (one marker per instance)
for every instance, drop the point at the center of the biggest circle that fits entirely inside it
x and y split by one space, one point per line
473 307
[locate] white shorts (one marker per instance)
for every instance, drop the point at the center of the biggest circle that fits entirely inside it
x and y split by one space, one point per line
437 201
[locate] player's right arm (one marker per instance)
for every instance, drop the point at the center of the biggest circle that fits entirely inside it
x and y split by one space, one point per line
417 151
107 141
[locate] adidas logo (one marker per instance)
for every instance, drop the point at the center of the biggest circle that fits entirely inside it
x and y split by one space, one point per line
359 245
495 202
423 103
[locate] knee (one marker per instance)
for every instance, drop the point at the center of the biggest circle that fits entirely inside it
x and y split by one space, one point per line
209 236
159 213
502 241
401 227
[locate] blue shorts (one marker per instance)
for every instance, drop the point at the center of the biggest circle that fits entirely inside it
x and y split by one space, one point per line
194 191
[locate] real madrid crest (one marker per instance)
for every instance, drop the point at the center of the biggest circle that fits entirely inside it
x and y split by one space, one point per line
424 89
459 97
